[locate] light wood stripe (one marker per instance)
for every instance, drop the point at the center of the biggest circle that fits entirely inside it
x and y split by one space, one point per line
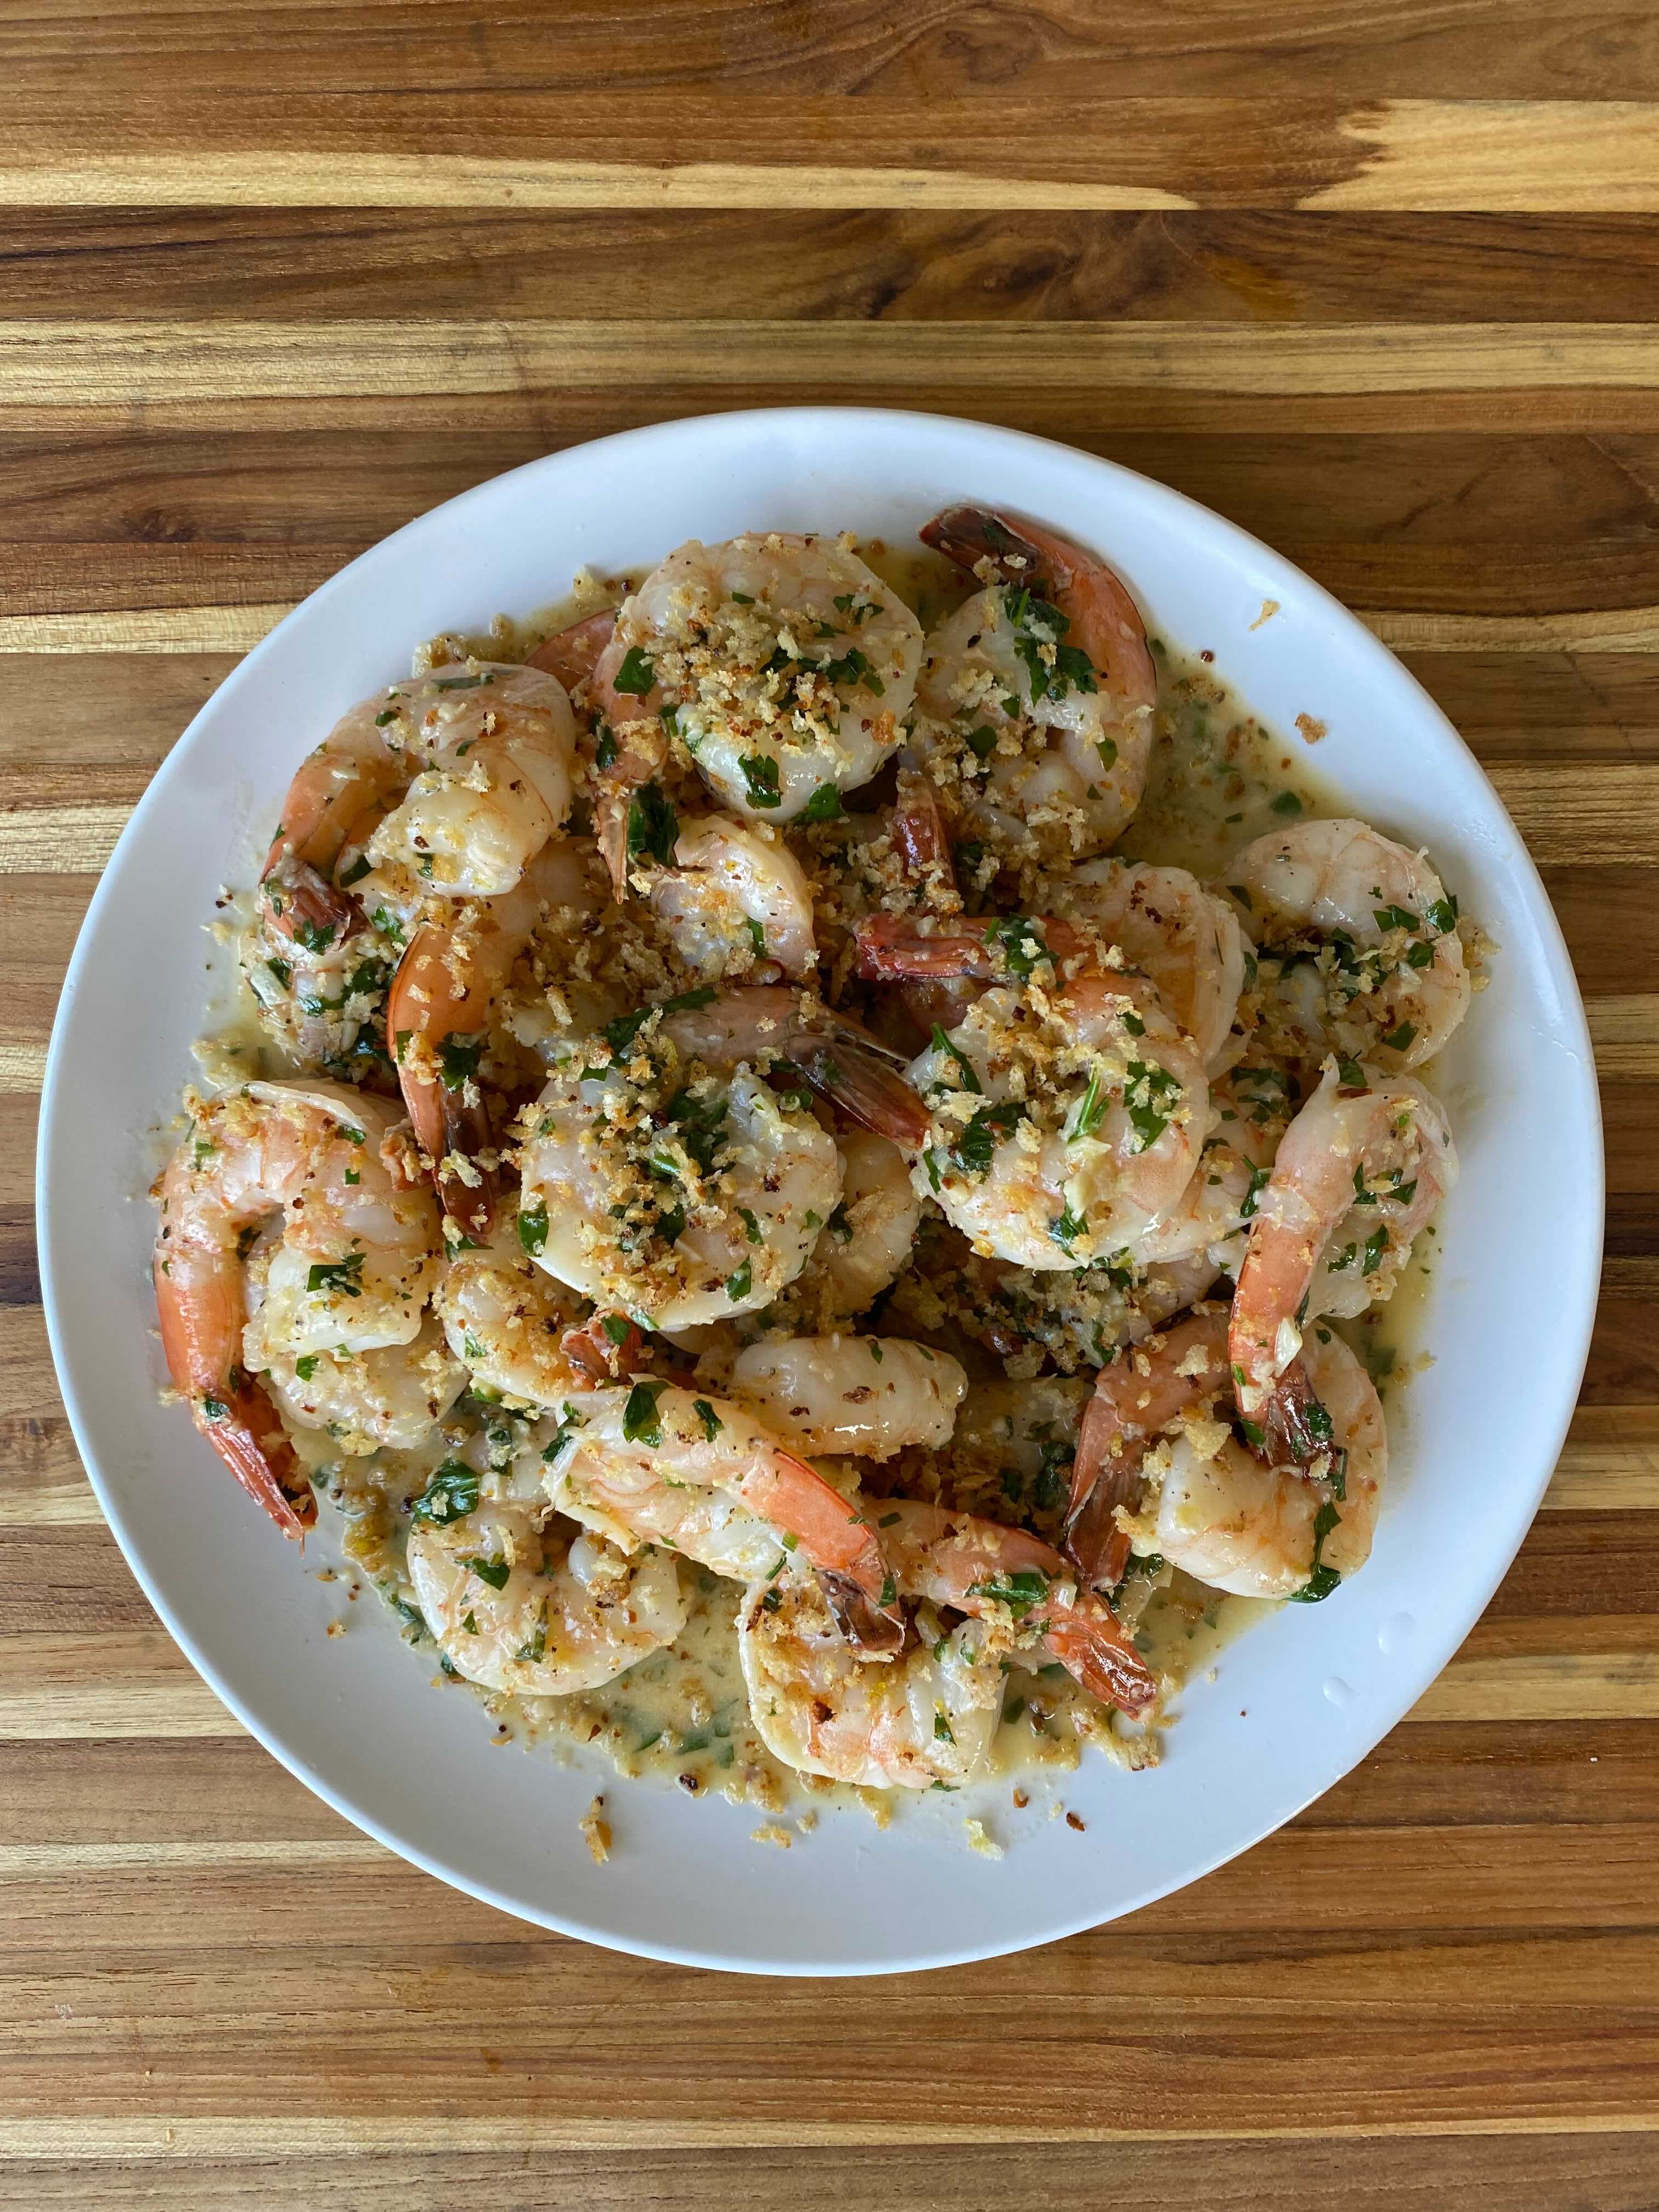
97 364
147 630
69 841
1588 157
499 2134
36 1861
1592 813
1626 1034
237 630
49 1505
260 177
1567 156
1555 1685
1611 629
22 1067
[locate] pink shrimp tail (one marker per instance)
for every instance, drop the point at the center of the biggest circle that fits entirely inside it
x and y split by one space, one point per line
1088 1640
919 829
237 1418
852 1567
1135 1397
573 654
895 947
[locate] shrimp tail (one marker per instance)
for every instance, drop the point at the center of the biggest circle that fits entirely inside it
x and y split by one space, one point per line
895 947
610 1346
871 1629
854 1074
298 896
1092 1540
573 654
1090 1642
920 831
641 752
970 536
794 1497
1296 1427
250 1441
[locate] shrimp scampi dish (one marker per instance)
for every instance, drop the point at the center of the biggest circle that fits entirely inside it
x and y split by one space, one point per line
820 1158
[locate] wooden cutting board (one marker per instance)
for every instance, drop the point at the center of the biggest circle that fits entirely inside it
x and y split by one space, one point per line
1381 286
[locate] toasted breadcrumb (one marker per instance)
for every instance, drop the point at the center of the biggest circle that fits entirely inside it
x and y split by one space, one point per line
596 1832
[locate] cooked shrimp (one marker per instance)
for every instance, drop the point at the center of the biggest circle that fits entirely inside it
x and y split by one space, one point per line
657 1464
675 1182
437 1025
1219 1202
1020 1586
929 1718
1372 964
1063 1126
866 1396
1240 1525
386 1398
834 1056
865 1243
1359 1172
1037 695
540 1612
459 776
681 1202
1186 939
1136 1398
784 666
507 1321
735 896
358 1255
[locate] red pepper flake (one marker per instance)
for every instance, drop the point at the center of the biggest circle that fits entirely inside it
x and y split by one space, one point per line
1072 1821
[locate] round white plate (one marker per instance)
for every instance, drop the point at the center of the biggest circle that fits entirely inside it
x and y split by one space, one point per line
1297 1700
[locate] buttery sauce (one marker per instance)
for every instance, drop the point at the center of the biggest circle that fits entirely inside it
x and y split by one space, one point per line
1218 779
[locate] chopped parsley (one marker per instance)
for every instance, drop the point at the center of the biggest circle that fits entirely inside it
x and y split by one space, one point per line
1019 1592
342 1276
641 1424
451 1495
635 675
760 776
1039 626
964 1065
825 805
458 1061
1150 1095
739 1285
1322 1580
494 1572
532 1228
653 825
975 1147
570 1422
1021 943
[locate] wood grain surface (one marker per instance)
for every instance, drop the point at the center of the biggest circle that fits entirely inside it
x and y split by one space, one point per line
1379 282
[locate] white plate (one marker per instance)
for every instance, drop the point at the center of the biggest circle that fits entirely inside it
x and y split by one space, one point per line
1298 1700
